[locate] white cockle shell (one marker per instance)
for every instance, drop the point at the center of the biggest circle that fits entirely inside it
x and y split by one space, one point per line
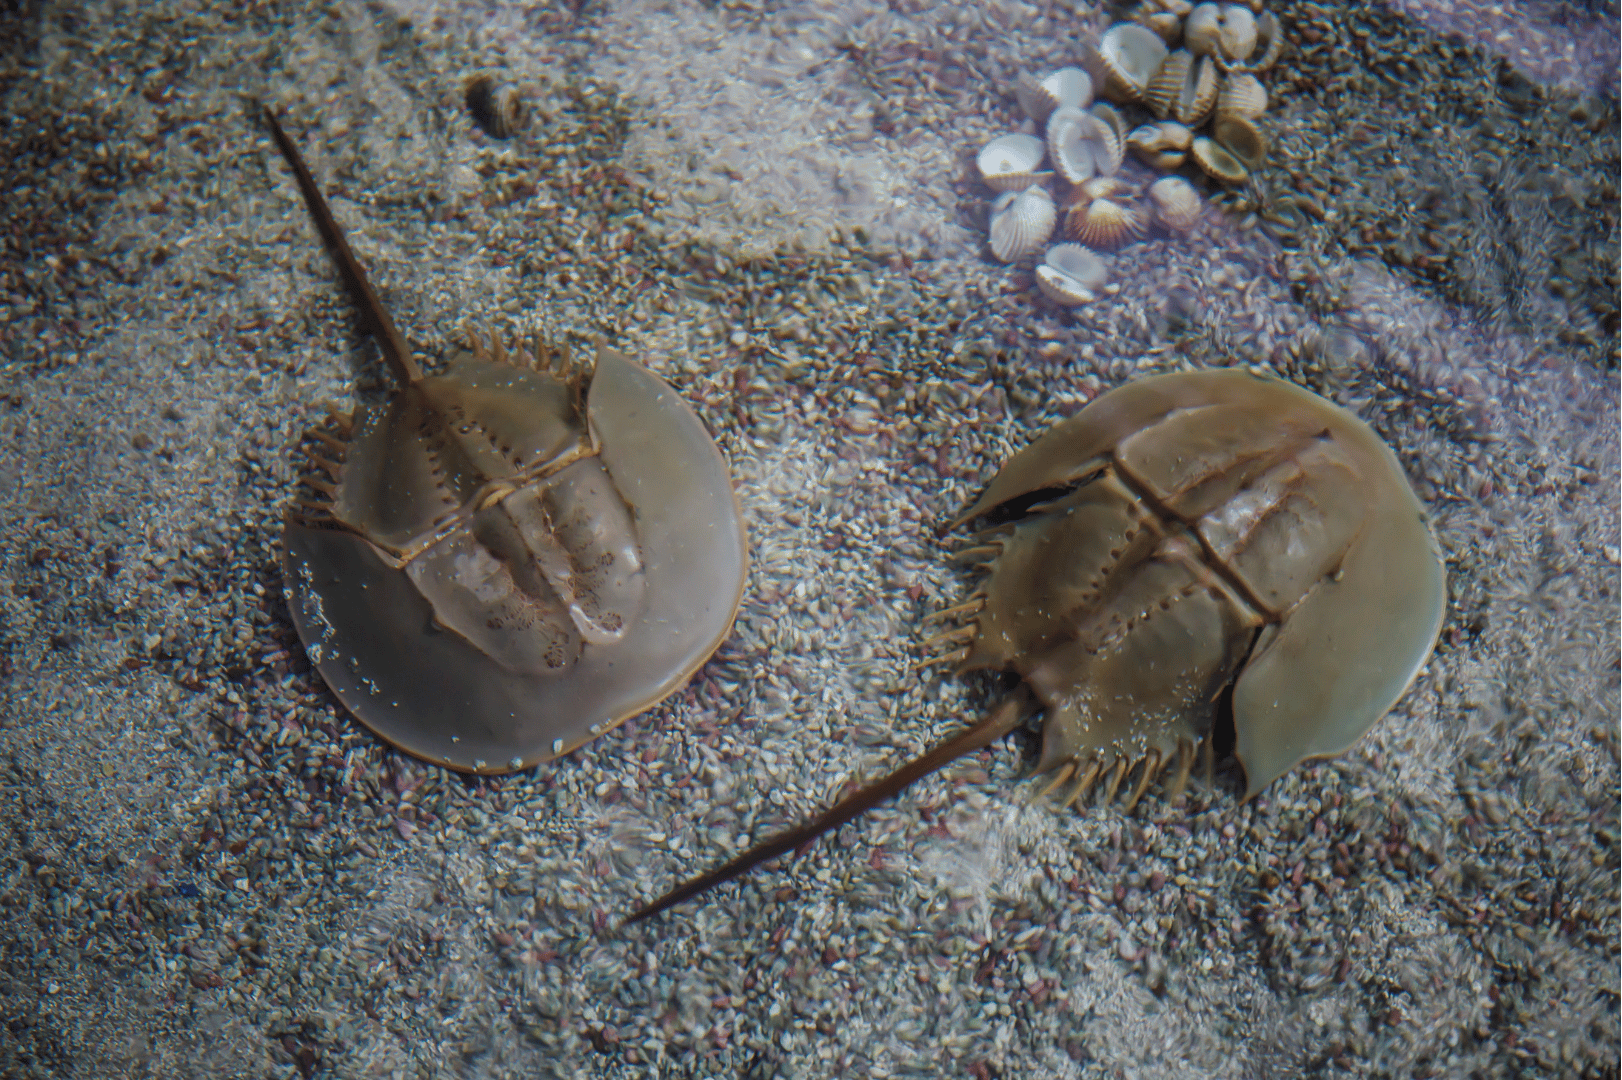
1010 163
1021 223
1069 274
1085 144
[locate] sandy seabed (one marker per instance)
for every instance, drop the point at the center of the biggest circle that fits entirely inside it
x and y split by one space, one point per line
208 869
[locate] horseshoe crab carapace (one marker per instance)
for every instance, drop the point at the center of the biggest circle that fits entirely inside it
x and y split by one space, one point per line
498 563
1199 544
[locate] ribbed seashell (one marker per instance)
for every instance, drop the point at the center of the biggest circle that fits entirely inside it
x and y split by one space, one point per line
1164 23
1225 31
1168 82
1085 144
1116 124
1069 87
498 108
1112 120
1021 223
1238 32
1032 99
1202 30
1163 146
1241 138
1069 273
1010 163
1179 8
1242 95
1217 163
1269 43
1128 55
1099 214
1102 187
1185 88
1177 204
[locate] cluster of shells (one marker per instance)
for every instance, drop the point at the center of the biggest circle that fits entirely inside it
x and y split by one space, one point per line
1190 66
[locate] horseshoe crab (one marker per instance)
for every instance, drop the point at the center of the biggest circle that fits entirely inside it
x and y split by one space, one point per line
497 564
1188 552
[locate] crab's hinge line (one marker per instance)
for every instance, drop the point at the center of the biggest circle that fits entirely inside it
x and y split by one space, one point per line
388 338
1146 494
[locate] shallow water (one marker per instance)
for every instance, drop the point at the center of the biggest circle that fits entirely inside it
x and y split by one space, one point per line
210 870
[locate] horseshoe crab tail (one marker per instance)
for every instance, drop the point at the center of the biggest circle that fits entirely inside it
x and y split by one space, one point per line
1005 718
360 289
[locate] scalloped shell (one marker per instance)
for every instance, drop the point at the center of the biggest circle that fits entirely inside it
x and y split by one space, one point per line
1242 95
1168 82
1021 223
1165 23
1069 273
1085 144
1069 87
1218 163
1270 43
1243 139
1225 31
1010 163
1202 30
1117 126
1163 145
1100 220
1184 89
1177 204
1238 35
1128 55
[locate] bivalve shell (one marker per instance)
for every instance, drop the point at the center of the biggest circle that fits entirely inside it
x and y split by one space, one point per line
1100 215
1167 82
1070 273
1010 163
1217 163
1021 223
1165 23
1269 43
1202 30
1085 144
1110 116
1242 95
1225 31
1241 138
1184 89
1238 34
1069 87
1128 56
1163 146
1177 204
498 108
